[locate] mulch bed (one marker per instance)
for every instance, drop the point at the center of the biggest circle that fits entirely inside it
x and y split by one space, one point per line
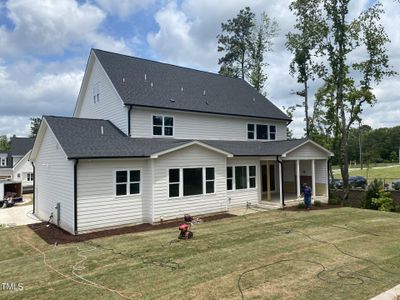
52 234
323 206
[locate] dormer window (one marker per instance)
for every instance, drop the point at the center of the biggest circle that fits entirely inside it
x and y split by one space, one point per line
261 132
163 126
96 93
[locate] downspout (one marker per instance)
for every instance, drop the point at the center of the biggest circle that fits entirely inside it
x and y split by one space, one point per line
129 120
282 183
328 168
76 196
33 192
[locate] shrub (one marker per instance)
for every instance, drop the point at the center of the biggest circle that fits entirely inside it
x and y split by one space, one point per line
334 199
301 205
373 192
383 202
317 203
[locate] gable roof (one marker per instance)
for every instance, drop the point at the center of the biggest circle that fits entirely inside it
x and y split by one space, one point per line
21 145
146 83
94 138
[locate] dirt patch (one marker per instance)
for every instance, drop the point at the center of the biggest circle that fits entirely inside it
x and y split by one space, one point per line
52 234
323 206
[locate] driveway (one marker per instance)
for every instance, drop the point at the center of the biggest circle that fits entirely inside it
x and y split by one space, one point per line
17 215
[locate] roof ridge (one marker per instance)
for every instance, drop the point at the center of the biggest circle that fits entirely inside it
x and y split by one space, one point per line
169 64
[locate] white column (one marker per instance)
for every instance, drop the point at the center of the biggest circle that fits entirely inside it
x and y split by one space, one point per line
280 184
298 177
313 177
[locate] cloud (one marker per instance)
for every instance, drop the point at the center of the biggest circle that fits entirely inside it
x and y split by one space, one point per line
51 27
124 8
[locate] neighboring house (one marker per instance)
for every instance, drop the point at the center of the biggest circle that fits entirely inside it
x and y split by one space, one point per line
15 164
151 141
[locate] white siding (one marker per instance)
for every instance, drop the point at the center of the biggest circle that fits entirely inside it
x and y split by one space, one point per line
241 197
110 106
54 183
192 156
321 171
23 168
98 207
307 151
189 125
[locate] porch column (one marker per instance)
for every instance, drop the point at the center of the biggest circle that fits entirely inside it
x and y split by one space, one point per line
298 177
268 182
313 177
280 184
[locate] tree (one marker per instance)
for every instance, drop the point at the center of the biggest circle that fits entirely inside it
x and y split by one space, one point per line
235 43
35 124
245 42
4 144
289 112
304 44
342 97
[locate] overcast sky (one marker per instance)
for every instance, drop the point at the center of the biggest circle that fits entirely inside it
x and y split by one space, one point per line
44 46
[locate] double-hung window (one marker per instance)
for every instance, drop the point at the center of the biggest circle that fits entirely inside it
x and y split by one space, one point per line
272 132
163 126
210 180
3 162
252 176
241 177
127 182
29 176
96 92
229 178
250 131
174 182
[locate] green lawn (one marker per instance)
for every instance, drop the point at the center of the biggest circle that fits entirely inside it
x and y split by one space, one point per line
340 253
380 171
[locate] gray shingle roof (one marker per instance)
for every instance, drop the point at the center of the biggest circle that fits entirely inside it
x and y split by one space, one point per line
191 90
82 138
21 145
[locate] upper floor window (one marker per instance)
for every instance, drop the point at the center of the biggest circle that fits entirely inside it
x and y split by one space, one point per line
261 132
163 125
96 92
3 161
29 176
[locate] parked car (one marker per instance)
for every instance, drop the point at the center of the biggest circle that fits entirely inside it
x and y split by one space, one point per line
396 185
336 184
358 182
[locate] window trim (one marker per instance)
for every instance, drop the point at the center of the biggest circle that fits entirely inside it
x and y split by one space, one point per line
181 196
255 132
247 177
128 186
163 125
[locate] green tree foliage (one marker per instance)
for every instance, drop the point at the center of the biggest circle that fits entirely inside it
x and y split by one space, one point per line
244 42
342 97
4 144
35 124
303 43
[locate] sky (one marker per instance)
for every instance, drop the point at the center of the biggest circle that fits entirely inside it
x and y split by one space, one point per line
44 46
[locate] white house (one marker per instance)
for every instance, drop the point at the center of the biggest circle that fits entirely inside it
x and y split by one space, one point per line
15 164
151 141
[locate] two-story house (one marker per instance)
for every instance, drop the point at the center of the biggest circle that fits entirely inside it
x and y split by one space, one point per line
151 141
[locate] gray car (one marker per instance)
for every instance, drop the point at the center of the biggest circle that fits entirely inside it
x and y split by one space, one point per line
396 185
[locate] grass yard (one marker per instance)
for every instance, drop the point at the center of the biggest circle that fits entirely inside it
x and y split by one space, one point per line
340 253
387 171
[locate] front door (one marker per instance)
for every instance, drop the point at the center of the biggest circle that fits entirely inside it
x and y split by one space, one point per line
264 177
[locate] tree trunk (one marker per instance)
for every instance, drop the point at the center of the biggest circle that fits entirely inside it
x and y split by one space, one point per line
306 108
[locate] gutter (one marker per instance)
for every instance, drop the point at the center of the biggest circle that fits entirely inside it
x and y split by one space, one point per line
76 196
129 120
282 182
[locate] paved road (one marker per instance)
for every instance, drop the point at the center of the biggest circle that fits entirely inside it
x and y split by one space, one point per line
17 215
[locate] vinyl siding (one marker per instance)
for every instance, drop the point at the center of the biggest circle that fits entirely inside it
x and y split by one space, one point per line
110 106
241 197
54 183
192 156
307 151
321 171
189 125
98 207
